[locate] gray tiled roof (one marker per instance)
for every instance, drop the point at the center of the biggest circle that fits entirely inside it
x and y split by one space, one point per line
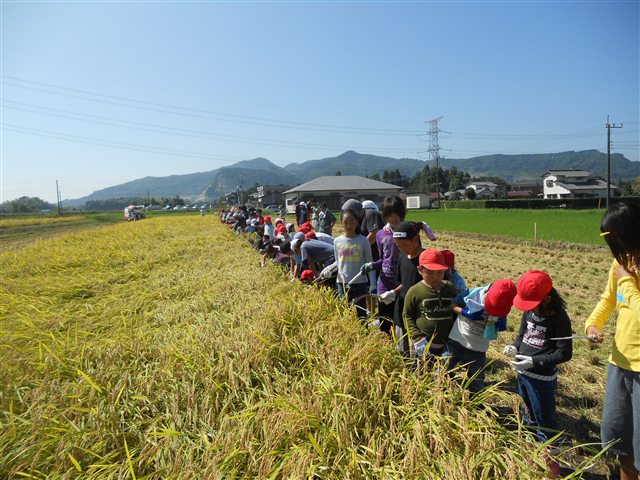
590 185
578 172
342 183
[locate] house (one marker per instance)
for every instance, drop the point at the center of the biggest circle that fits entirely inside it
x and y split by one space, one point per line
336 189
483 192
231 198
490 187
415 200
533 188
573 184
519 194
271 194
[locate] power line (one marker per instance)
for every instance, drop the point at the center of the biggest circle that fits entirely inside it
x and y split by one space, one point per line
187 132
254 120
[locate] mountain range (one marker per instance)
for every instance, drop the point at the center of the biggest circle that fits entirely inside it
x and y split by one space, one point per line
214 183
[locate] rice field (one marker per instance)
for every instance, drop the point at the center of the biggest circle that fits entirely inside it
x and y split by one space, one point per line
577 226
159 349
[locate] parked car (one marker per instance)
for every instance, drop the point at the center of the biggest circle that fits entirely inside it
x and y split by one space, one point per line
273 208
177 207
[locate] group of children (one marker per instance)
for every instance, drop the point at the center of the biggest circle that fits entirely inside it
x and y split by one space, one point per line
426 307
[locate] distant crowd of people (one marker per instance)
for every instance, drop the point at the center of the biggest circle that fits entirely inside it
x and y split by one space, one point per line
433 319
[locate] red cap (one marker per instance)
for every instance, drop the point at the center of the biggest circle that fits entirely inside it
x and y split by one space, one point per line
306 274
432 259
533 286
310 235
449 257
499 298
306 225
282 230
267 218
304 229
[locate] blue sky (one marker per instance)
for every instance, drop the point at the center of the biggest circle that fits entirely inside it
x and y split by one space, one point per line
98 94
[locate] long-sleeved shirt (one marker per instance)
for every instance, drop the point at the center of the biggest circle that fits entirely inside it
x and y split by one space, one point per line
534 340
427 313
351 254
624 295
387 262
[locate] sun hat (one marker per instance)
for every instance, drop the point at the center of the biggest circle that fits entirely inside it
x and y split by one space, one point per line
295 244
311 235
289 225
499 298
352 204
279 220
449 257
432 259
533 286
369 204
404 230
306 274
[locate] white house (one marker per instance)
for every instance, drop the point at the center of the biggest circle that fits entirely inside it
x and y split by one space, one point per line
573 184
336 189
490 187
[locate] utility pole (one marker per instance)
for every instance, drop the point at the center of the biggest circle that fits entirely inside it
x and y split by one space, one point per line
609 127
148 199
241 188
434 149
58 196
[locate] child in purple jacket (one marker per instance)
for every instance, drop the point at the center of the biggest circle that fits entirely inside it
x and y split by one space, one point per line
393 212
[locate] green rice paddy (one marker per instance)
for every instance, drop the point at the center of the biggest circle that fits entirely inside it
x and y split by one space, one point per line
577 226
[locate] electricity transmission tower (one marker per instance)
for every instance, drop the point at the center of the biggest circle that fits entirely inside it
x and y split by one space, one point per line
434 151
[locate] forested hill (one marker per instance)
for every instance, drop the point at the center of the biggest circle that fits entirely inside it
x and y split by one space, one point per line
518 168
212 184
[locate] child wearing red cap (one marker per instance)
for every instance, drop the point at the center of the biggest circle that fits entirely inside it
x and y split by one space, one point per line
307 277
538 350
452 274
268 227
427 311
478 311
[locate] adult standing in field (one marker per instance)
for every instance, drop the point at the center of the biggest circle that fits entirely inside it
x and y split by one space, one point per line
314 210
326 220
621 412
371 223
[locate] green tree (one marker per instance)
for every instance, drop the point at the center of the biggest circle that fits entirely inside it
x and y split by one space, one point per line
338 173
375 176
470 193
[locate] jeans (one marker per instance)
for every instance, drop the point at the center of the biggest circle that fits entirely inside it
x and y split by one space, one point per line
539 396
454 353
353 292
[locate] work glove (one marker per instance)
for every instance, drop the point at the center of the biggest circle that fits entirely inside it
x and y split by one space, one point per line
510 351
388 297
373 289
473 316
522 362
418 350
366 268
328 271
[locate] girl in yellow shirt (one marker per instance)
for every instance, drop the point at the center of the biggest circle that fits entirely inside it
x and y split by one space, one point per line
621 413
